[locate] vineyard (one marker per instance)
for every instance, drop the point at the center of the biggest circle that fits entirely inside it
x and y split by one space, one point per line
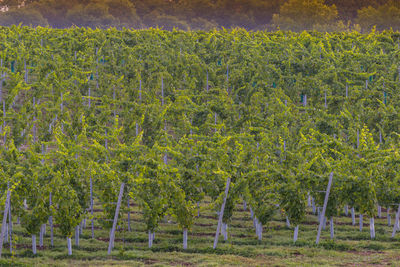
114 141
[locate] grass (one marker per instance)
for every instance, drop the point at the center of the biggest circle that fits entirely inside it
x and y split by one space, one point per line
349 248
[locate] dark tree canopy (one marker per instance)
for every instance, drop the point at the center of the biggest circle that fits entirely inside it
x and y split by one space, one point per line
295 15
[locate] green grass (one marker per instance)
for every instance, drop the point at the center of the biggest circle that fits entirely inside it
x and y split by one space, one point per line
349 248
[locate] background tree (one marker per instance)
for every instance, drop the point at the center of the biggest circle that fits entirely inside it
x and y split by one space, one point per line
348 8
92 15
124 11
54 11
298 15
383 17
27 17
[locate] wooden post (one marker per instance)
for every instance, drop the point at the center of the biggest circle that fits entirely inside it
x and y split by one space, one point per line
41 236
106 141
77 235
221 214
185 238
140 90
9 221
227 78
34 244
353 216
1 86
129 214
324 207
207 82
314 207
115 112
396 222
69 245
112 233
10 226
225 232
89 96
150 239
91 205
372 227
215 120
296 233
51 223
61 104
6 235
287 222
162 91
26 72
260 231
3 225
4 118
358 139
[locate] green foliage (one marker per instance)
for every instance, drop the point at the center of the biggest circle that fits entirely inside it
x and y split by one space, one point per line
174 145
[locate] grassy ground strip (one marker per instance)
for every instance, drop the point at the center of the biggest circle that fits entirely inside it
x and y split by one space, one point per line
349 248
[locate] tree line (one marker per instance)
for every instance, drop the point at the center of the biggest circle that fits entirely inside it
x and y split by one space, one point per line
295 15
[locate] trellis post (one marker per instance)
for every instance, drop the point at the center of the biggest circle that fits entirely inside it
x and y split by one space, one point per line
324 207
221 214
